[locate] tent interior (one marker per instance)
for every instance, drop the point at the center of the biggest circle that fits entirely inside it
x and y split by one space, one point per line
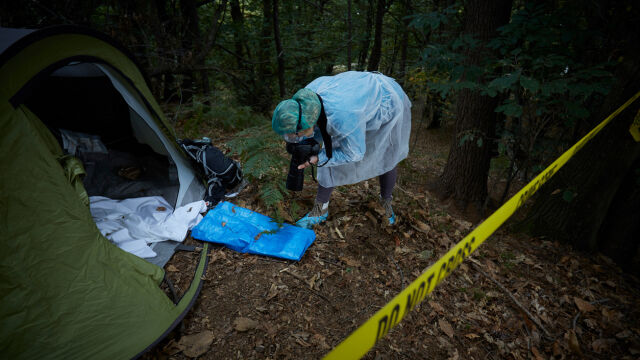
80 99
97 116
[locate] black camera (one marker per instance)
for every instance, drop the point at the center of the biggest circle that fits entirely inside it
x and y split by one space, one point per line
300 153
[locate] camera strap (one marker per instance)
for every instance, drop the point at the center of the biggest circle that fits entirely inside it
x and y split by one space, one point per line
326 138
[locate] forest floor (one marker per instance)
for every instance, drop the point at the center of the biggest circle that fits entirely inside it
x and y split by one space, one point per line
257 307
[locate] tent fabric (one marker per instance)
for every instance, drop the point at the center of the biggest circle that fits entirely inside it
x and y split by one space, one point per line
67 292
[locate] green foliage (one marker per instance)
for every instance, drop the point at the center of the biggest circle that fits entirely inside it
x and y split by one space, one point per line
537 65
264 159
205 113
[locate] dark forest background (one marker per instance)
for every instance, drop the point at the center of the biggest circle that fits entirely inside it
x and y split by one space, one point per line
519 81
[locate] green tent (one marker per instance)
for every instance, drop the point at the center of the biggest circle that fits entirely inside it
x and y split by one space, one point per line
67 292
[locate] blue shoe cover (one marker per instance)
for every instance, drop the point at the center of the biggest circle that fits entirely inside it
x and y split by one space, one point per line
308 222
392 219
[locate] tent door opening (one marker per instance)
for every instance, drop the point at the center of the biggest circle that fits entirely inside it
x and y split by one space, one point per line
86 105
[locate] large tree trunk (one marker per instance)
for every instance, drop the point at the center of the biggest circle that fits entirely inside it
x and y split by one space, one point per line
464 178
238 39
264 69
279 49
404 41
604 212
349 35
364 47
376 50
190 41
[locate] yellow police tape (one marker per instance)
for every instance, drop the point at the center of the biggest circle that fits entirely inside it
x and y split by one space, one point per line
366 336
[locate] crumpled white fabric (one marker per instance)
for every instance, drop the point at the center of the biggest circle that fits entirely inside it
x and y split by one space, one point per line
369 120
131 224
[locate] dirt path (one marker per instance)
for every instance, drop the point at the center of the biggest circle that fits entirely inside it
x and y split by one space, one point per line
258 307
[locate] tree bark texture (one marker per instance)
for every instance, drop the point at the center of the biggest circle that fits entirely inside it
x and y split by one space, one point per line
404 41
604 213
349 35
376 50
364 47
279 50
190 42
464 177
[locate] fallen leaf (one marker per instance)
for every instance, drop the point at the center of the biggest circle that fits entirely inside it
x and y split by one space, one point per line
242 324
320 340
574 345
420 226
425 255
557 350
371 217
583 306
602 345
437 307
313 280
196 344
273 292
161 208
257 237
536 353
172 268
624 334
446 327
402 250
350 261
171 348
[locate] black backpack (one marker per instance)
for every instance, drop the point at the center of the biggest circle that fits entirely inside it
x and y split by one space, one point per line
220 172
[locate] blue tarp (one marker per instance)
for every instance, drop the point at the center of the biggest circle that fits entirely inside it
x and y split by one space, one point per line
245 231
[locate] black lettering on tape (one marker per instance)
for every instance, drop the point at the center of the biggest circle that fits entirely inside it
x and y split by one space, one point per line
429 288
394 319
421 291
459 257
527 194
386 323
411 301
382 328
450 264
443 270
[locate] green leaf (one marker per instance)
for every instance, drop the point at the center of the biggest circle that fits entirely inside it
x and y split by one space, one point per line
504 82
530 84
568 195
463 139
510 109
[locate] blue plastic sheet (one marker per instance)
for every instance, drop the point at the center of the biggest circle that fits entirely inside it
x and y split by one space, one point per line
245 231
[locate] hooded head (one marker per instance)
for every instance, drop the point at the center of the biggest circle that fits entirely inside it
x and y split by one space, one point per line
296 114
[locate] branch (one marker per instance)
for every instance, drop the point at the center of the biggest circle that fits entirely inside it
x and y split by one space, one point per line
476 266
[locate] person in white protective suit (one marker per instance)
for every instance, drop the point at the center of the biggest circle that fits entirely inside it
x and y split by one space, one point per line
363 120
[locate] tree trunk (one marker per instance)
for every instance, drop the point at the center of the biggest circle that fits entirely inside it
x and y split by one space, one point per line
376 50
348 35
603 177
264 69
464 178
404 42
279 50
364 50
238 39
190 39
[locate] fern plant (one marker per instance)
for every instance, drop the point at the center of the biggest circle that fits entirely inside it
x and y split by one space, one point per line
264 159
